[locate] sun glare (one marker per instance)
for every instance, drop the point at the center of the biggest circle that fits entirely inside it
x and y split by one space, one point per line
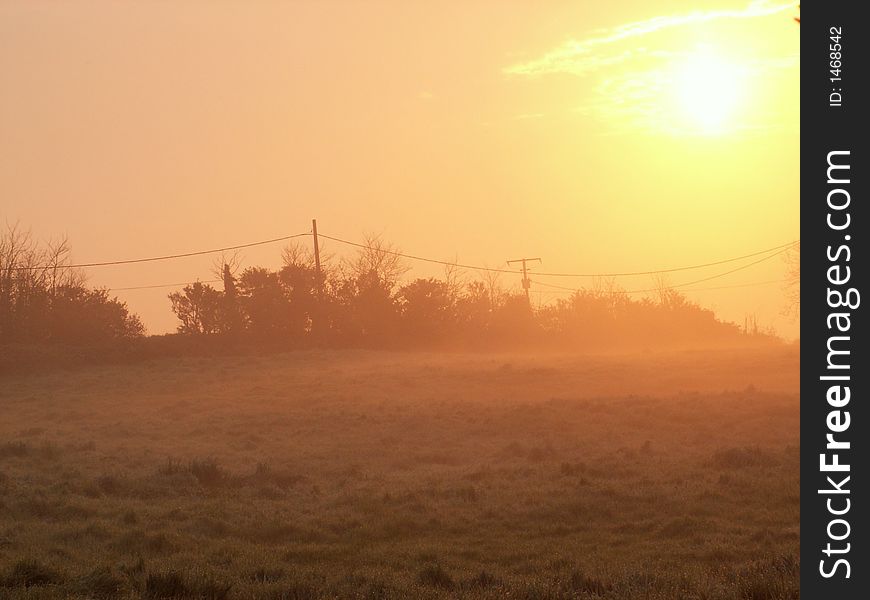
708 90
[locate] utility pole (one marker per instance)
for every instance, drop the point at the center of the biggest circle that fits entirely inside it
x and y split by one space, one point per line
317 273
526 282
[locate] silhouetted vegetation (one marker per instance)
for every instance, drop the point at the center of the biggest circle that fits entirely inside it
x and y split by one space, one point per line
362 301
48 316
43 300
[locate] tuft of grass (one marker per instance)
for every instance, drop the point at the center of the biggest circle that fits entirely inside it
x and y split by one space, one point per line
264 475
482 580
586 584
16 449
28 572
171 467
573 469
212 590
166 586
138 542
296 591
466 494
275 532
54 509
32 431
108 484
174 585
741 458
682 526
435 576
207 472
541 453
129 517
101 584
49 451
267 574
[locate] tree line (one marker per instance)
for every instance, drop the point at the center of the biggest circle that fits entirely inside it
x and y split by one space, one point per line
363 300
367 300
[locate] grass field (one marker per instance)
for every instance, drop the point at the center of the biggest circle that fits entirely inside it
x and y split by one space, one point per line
356 474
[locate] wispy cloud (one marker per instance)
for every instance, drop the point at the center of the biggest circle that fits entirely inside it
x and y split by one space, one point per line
633 76
584 55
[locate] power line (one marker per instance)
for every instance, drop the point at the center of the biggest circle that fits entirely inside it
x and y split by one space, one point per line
780 248
550 285
421 258
565 290
679 285
162 285
167 257
737 285
623 274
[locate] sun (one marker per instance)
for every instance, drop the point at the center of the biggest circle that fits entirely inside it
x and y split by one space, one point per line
709 91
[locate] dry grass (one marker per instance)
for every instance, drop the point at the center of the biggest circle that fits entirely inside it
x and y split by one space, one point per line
377 475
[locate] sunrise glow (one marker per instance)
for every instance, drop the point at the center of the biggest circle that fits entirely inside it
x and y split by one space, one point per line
709 91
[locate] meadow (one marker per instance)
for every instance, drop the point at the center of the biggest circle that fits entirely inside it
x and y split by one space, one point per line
381 475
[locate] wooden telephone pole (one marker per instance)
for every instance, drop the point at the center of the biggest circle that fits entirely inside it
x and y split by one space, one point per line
526 281
317 272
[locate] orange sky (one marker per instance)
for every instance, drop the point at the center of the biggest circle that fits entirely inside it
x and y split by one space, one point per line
590 134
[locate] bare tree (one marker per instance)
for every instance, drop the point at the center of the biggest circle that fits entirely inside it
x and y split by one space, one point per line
494 288
379 259
296 254
662 288
454 278
299 255
57 261
231 261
